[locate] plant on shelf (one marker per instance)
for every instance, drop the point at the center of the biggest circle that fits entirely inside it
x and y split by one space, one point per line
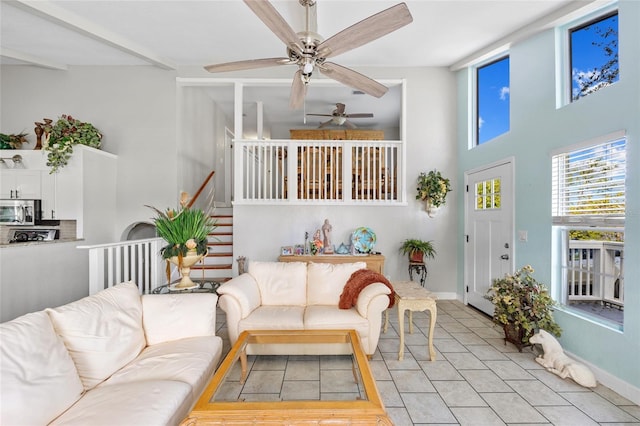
12 141
61 136
432 189
417 250
522 305
186 230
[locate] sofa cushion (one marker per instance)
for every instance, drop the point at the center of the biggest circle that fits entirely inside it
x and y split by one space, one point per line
38 378
326 281
191 360
274 318
102 332
281 283
330 317
160 402
168 317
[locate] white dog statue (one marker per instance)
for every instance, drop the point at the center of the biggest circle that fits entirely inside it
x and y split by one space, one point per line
555 361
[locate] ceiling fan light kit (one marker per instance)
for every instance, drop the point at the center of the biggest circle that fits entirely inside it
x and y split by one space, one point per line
309 51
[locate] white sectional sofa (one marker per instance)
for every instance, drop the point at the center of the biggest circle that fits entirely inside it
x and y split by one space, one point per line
114 358
299 296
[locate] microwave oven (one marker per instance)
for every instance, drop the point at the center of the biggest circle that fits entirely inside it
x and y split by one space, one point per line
20 212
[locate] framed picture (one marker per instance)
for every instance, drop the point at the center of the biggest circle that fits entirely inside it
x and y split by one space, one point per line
298 250
286 251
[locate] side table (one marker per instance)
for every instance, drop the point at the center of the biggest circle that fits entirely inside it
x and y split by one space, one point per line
412 296
204 286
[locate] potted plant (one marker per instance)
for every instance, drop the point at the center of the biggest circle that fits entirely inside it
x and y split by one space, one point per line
432 189
61 136
186 230
522 305
417 250
12 141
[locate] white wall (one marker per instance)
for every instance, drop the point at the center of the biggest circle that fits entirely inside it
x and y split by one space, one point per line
134 108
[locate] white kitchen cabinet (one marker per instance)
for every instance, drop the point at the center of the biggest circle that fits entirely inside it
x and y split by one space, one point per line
20 183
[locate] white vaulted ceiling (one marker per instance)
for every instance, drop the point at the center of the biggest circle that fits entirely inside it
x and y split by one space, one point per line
172 34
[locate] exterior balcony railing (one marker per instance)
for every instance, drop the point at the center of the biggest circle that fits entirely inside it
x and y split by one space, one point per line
595 271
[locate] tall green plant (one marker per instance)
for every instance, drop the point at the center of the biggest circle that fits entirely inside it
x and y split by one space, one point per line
183 229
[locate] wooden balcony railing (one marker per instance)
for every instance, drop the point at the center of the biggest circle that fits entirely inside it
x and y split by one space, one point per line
317 171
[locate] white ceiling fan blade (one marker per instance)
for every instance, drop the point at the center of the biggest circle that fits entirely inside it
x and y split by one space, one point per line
321 115
276 23
324 124
353 79
298 91
247 65
365 31
350 124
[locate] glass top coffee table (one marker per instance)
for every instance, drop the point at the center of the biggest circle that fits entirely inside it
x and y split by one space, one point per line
239 393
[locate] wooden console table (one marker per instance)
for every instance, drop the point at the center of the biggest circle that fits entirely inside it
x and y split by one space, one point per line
375 262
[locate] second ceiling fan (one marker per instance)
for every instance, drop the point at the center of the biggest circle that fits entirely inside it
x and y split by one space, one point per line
309 52
339 117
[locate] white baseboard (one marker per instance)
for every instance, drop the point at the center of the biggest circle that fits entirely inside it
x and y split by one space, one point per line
627 390
445 295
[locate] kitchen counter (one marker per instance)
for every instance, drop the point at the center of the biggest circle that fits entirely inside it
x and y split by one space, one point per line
66 232
34 243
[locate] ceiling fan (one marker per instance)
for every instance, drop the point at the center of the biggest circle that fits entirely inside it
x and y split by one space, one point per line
309 51
339 117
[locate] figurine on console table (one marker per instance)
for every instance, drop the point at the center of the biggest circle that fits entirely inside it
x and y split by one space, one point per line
326 230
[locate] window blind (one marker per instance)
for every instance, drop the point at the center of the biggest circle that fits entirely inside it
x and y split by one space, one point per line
589 185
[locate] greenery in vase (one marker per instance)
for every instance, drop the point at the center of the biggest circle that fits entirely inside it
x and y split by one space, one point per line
521 300
12 141
434 187
410 246
61 136
183 229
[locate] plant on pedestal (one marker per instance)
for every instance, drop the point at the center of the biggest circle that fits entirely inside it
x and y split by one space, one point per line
417 249
186 231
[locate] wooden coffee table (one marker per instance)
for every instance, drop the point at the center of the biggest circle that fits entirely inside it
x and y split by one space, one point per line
213 408
412 296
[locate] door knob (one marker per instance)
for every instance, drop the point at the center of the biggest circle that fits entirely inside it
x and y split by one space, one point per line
504 257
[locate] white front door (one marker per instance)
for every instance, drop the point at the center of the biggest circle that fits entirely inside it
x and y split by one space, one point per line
489 230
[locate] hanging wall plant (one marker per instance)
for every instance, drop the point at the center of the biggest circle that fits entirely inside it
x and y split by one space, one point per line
433 190
61 136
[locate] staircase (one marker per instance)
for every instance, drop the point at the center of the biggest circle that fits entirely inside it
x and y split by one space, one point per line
218 264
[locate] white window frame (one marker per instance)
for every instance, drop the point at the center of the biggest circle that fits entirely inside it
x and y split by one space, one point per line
473 96
563 53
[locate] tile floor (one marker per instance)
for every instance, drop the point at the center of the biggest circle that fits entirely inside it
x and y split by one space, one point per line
475 380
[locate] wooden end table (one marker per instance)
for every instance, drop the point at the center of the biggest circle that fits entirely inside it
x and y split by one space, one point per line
412 296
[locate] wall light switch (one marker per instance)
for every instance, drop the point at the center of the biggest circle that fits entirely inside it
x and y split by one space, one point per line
523 236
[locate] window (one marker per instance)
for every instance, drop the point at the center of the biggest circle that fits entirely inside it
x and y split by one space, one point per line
588 209
492 100
488 194
594 55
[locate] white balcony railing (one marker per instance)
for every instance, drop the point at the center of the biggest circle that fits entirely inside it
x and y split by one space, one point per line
595 271
137 260
349 171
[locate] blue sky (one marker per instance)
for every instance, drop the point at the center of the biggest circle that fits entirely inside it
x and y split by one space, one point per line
493 100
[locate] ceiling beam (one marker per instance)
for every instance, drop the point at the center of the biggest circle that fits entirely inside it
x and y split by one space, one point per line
31 59
57 15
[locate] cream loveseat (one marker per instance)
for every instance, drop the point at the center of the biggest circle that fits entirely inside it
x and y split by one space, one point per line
301 296
114 358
